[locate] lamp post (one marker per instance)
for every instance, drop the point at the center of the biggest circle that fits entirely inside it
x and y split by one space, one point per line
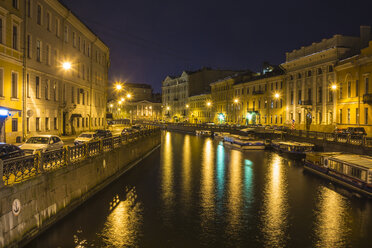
209 105
334 88
236 102
187 112
66 66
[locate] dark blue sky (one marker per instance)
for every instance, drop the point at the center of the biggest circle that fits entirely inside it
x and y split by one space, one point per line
151 39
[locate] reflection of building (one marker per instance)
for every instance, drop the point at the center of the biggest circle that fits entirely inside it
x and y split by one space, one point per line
200 109
176 90
354 92
59 101
309 75
11 74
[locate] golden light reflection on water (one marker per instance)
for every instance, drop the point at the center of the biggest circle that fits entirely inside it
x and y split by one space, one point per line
333 221
167 172
235 203
186 171
123 225
275 209
207 183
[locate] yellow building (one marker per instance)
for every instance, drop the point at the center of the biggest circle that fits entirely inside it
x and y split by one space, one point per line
200 109
11 72
353 92
261 99
222 93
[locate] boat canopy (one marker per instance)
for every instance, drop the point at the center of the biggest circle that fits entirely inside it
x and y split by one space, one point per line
354 159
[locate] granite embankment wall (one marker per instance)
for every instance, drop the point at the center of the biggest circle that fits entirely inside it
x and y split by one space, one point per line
46 198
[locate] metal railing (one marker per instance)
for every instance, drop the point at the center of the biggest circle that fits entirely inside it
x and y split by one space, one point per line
19 169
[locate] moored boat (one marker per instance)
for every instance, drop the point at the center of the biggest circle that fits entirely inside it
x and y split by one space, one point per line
296 150
203 133
220 135
350 170
243 142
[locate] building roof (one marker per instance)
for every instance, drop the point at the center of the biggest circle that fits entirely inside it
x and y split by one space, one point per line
358 160
276 71
135 85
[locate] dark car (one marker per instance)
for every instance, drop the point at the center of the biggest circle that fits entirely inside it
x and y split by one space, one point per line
356 131
10 151
137 127
103 133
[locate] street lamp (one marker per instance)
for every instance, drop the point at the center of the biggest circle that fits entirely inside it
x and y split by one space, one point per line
118 86
334 86
209 104
66 65
129 95
236 101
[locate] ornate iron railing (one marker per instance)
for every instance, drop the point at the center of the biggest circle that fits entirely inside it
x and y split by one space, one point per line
20 169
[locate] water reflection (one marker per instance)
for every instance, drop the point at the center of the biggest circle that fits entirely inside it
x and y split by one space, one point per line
220 160
333 222
167 174
207 186
124 223
275 209
186 171
248 184
235 194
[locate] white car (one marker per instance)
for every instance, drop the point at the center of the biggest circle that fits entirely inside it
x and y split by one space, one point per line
42 143
86 137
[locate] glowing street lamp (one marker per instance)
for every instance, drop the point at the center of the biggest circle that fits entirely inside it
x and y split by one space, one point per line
66 66
168 108
236 100
118 86
277 95
209 104
122 99
334 87
111 105
187 106
129 95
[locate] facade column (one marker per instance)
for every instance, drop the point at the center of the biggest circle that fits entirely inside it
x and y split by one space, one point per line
314 94
335 100
295 91
302 98
324 97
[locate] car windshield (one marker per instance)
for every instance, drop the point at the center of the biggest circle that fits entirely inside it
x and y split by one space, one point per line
85 135
38 140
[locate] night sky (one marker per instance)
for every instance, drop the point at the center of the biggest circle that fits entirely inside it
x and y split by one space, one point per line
151 39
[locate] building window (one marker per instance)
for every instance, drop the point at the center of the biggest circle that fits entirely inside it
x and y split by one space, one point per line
366 116
291 97
55 123
49 21
28 46
348 116
330 68
299 97
330 95
55 98
37 82
78 96
340 116
29 6
47 89
79 43
15 37
357 115
14 85
77 122
357 88
72 94
349 89
1 82
38 50
57 27
320 94
320 71
309 73
340 92
15 4
74 39
39 14
46 124
66 33
37 123
14 124
47 55
366 87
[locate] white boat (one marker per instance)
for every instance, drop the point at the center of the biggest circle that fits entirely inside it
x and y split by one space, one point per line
243 142
203 133
351 170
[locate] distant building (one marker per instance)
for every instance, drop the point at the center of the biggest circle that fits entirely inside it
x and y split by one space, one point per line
176 90
310 73
200 109
139 92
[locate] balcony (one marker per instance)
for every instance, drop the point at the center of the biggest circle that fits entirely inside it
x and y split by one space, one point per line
257 92
367 98
306 102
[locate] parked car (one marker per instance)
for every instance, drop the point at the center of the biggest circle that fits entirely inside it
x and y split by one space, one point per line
42 143
137 127
103 133
10 151
127 130
340 131
86 137
356 131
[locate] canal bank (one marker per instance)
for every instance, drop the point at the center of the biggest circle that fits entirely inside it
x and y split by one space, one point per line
30 207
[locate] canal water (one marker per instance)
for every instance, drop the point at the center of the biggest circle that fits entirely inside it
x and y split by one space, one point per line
194 192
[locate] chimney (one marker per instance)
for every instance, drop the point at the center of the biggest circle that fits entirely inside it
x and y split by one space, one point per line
365 36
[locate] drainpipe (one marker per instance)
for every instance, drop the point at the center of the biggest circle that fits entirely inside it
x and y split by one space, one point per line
24 73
